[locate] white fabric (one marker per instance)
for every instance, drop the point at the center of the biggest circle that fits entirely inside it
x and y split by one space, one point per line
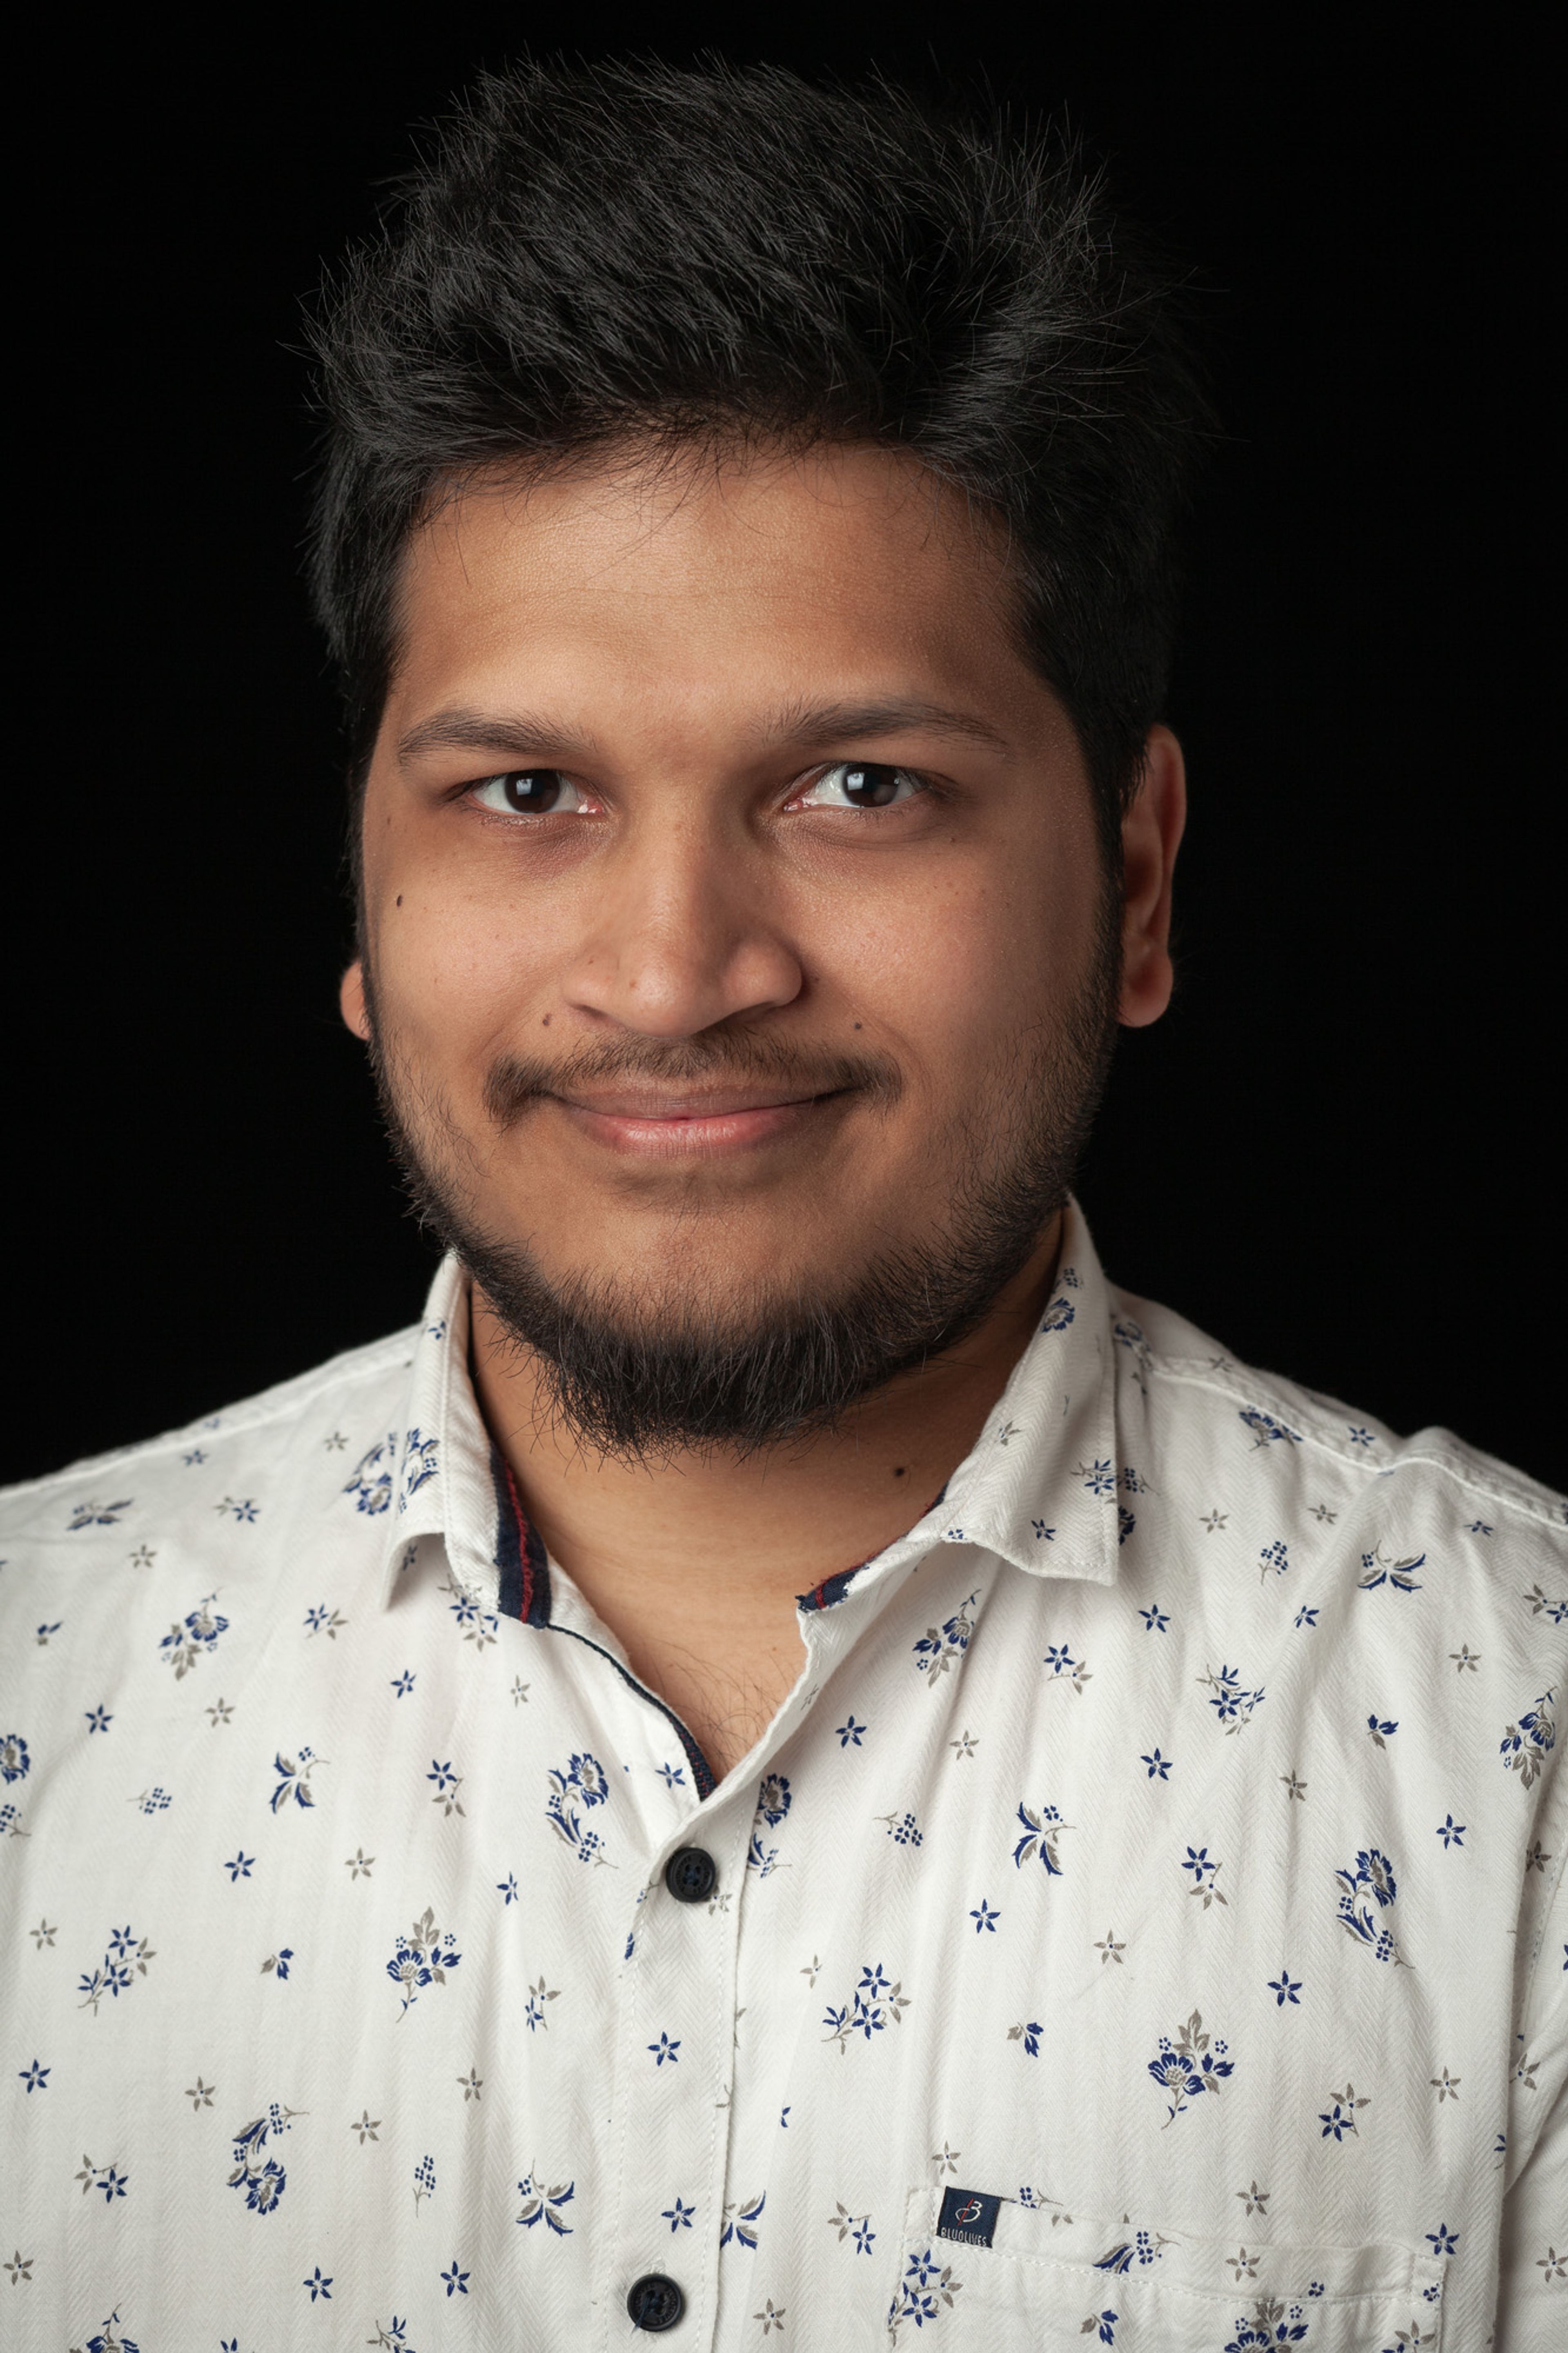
1165 1838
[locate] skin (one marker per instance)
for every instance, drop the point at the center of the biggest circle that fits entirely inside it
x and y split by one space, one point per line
664 641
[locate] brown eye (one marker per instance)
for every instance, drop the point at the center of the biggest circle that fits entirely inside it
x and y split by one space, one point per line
862 785
529 792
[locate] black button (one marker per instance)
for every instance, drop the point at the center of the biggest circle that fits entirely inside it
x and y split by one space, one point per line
691 1875
655 2302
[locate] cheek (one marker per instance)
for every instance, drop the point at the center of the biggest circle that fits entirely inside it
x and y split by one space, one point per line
950 979
456 975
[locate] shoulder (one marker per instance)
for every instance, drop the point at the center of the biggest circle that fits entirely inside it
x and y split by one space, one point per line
1325 1459
328 1410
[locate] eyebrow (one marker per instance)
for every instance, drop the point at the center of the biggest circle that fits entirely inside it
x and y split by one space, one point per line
534 736
524 735
825 723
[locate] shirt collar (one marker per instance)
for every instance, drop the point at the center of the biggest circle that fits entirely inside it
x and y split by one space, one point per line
1039 1486
441 1485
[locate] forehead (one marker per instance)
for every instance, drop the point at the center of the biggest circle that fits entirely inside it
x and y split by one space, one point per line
751 576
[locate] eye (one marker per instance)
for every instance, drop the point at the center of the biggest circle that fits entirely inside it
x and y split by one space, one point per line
531 792
858 784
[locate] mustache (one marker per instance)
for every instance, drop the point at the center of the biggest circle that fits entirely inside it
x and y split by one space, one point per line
514 1080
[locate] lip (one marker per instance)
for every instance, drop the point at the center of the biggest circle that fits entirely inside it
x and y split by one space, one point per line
648 1125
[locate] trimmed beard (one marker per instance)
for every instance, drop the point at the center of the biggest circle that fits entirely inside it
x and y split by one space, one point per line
644 1378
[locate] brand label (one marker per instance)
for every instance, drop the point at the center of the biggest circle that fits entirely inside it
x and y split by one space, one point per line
968 2215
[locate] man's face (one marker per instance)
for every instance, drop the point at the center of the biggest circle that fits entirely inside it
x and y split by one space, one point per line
737 927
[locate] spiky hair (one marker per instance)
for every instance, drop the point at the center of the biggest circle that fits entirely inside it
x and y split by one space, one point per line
591 255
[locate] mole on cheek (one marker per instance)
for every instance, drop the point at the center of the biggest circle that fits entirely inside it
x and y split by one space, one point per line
400 898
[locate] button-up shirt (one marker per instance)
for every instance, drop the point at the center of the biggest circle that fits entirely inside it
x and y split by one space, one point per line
1143 1923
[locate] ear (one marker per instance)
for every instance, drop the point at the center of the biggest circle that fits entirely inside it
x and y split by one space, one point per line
350 1001
1151 836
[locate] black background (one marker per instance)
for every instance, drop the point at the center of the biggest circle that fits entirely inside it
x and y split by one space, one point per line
1336 1153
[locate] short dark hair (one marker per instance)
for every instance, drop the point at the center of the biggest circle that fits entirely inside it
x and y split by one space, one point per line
592 255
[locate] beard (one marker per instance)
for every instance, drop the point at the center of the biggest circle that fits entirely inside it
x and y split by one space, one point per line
648 1372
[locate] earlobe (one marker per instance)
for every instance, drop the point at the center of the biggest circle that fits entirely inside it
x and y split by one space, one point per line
350 1001
1151 836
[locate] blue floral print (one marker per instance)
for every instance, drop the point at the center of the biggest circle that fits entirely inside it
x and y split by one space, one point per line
574 1791
419 1467
422 1957
1527 1744
99 1515
543 2204
539 1993
773 1802
1266 1430
294 1778
122 1964
371 1481
478 1625
872 1823
1187 2065
110 2339
1231 1703
1399 1575
1367 1889
1339 2117
855 2226
741 2216
1146 2247
878 2001
1271 2324
107 2179
193 1638
1043 1832
939 1648
1066 1669
925 2292
262 2179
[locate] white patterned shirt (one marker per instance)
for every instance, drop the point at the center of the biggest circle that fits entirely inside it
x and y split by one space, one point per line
1142 1926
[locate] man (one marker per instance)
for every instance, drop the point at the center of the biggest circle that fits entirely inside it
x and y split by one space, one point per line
789 1764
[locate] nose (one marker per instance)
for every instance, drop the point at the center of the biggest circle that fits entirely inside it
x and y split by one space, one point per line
684 932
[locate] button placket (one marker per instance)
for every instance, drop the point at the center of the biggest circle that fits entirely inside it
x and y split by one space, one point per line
672 2107
674 2065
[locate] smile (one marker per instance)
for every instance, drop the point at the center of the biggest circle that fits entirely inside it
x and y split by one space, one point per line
644 1125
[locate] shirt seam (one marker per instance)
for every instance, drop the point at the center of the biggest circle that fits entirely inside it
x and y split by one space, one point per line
1533 1505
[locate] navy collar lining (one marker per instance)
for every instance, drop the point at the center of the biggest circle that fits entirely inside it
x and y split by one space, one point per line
524 1594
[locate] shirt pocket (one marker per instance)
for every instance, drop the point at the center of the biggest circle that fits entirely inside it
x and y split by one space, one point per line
1048 2278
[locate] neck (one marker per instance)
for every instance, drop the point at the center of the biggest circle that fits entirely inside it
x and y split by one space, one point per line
694 1561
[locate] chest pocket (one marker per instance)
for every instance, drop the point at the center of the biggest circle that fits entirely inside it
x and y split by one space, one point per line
1047 2278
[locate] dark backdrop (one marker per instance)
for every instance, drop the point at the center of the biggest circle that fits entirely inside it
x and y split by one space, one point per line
1334 1153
